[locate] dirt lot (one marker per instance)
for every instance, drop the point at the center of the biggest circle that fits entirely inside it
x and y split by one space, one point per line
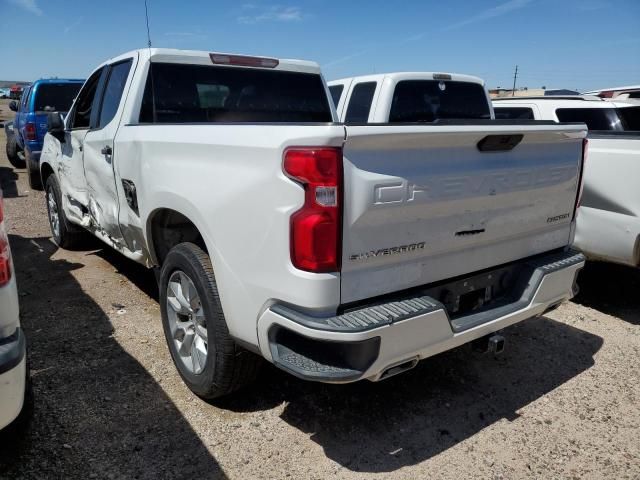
561 402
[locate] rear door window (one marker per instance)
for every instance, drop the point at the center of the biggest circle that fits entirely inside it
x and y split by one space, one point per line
595 118
513 113
113 89
360 102
431 100
86 102
179 93
55 97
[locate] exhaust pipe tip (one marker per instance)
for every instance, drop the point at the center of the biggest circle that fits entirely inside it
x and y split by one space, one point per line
399 368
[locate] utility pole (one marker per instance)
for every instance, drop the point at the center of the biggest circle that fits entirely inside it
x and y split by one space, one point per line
515 75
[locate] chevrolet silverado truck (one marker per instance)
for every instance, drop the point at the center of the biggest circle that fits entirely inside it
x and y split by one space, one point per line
337 252
608 226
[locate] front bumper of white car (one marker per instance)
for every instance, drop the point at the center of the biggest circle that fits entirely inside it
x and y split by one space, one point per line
388 335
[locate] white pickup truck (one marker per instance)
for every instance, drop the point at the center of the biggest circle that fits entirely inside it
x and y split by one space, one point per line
336 252
608 226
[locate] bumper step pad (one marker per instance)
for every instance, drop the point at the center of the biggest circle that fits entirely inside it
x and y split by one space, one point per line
365 318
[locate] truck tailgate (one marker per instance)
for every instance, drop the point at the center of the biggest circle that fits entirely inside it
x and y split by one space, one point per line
424 204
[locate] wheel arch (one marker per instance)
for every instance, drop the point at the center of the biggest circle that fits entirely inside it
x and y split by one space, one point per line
166 228
46 170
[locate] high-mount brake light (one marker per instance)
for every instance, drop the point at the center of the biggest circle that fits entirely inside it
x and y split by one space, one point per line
30 131
5 253
441 76
243 61
316 229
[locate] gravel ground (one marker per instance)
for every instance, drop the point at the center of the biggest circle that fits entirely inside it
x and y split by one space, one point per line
561 402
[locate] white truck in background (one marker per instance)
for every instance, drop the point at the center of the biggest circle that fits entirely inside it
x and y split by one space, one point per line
336 252
403 97
608 226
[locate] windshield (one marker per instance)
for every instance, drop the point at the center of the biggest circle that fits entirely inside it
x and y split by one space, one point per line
430 100
55 97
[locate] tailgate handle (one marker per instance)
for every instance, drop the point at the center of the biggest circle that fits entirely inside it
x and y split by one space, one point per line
499 143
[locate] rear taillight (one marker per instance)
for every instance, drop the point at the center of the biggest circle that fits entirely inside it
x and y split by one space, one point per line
585 151
5 253
30 131
316 228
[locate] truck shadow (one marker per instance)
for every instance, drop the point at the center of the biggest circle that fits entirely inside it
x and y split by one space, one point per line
611 289
382 427
98 413
138 274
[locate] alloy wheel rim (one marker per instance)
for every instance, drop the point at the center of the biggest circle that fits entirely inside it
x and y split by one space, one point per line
54 217
187 322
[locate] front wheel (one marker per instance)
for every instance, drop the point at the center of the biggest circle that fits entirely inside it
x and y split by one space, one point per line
207 358
64 234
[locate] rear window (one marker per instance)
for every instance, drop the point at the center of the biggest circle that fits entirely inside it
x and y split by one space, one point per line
56 97
619 119
630 117
208 94
513 113
430 100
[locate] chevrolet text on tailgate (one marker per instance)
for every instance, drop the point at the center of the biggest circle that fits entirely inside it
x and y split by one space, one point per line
335 251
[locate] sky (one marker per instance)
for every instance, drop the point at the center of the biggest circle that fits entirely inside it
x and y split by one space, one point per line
577 44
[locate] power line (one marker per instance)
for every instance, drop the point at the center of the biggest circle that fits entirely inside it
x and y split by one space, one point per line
515 75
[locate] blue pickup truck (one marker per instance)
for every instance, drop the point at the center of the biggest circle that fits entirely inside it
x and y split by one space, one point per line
30 125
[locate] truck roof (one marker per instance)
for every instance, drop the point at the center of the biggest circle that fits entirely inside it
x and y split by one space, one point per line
613 89
397 76
58 80
202 57
577 101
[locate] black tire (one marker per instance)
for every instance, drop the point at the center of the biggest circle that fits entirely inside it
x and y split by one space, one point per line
35 181
67 235
228 367
12 152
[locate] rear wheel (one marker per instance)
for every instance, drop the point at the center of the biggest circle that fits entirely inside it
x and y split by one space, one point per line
64 233
207 358
35 182
12 152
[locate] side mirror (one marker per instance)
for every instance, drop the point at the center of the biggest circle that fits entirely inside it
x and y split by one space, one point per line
13 106
55 126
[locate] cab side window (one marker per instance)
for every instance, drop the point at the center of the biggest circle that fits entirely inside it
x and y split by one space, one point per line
360 102
81 115
336 93
23 100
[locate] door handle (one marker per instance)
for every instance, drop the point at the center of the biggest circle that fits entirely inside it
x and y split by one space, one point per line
106 150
